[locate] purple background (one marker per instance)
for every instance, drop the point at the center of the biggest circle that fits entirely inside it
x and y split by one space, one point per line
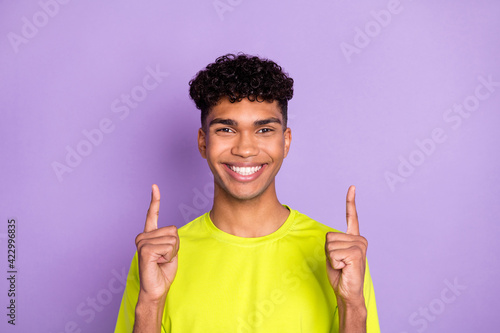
353 118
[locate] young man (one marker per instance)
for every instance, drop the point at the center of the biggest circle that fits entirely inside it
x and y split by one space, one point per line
251 264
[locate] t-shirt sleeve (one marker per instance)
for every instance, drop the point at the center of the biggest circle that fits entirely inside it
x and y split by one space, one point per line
372 324
126 314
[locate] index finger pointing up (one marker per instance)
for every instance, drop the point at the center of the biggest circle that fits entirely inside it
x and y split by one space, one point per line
351 214
153 211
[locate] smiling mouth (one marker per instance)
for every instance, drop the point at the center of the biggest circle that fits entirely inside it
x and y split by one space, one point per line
245 171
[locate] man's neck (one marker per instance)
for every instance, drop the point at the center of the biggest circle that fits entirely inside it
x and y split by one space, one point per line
256 217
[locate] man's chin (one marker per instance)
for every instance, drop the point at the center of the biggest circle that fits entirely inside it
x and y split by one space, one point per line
243 192
244 195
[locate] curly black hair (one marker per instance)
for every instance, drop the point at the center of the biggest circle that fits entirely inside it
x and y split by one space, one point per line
241 76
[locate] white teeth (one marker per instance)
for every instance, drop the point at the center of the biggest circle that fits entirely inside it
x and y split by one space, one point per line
245 171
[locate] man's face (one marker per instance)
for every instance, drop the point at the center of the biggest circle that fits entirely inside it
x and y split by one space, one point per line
244 145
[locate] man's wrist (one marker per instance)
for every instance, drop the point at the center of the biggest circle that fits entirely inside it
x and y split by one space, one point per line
144 305
148 314
352 315
151 301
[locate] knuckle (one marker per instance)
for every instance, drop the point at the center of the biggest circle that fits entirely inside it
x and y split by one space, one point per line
358 251
142 245
170 251
138 238
168 230
331 236
143 248
170 239
330 247
362 246
329 254
351 214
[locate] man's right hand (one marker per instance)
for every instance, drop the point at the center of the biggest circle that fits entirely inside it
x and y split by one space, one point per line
157 254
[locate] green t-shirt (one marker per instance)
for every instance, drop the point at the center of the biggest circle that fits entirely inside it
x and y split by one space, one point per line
225 283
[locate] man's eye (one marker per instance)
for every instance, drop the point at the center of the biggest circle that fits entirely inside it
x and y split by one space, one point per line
265 130
225 130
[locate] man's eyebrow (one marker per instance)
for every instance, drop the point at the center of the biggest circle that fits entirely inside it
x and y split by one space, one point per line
267 121
229 122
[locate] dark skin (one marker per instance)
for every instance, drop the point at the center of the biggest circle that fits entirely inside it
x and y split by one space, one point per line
346 262
247 135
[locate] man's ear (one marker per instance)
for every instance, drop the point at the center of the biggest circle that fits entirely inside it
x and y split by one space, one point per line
288 140
202 143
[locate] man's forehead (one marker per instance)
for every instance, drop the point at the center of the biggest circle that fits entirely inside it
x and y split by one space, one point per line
245 109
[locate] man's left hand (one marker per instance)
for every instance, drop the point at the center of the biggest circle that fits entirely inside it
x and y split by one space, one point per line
346 258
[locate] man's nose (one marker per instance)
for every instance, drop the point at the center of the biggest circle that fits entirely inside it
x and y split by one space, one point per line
245 145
